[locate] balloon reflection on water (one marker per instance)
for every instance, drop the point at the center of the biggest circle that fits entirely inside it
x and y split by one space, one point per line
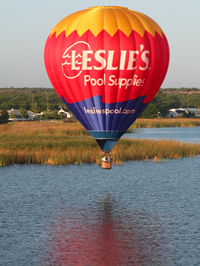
103 238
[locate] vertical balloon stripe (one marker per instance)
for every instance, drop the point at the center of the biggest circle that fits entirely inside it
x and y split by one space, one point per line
95 100
116 119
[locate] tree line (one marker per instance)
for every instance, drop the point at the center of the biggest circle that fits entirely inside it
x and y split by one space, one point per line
42 99
167 99
33 99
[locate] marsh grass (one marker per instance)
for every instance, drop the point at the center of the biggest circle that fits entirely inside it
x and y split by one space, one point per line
44 128
69 143
166 122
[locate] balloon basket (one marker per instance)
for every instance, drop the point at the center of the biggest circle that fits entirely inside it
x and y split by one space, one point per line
105 165
106 161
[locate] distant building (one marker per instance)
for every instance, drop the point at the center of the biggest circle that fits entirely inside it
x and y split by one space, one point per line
30 115
65 113
16 114
174 112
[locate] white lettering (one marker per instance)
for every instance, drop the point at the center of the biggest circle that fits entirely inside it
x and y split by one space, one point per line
73 61
145 60
85 59
77 59
112 80
125 83
93 81
132 59
110 61
86 79
100 59
122 59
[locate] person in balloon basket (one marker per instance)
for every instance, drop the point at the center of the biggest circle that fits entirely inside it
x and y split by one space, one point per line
106 159
109 159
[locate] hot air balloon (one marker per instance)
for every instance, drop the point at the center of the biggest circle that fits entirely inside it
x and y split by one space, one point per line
106 63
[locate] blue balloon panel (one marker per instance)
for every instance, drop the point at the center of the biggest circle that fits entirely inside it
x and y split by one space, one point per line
106 122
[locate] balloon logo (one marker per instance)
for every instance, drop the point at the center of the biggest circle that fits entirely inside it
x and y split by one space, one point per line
106 64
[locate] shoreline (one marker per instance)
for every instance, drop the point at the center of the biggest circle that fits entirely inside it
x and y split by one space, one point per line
69 143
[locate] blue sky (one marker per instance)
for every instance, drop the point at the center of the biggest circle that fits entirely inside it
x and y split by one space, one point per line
25 25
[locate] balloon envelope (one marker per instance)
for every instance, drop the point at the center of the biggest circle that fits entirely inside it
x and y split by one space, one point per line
106 64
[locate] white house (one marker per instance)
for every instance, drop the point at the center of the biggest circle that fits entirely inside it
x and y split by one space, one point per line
174 112
16 113
63 112
30 114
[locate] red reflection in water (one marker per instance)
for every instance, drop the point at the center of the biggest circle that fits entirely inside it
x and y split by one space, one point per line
103 241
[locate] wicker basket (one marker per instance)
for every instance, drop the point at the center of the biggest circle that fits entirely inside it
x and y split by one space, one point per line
106 165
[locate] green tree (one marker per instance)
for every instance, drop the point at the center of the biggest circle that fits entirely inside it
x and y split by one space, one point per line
4 115
150 112
45 116
163 102
23 113
55 115
189 115
12 115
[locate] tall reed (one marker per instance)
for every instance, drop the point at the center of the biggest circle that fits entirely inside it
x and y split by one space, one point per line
69 143
166 122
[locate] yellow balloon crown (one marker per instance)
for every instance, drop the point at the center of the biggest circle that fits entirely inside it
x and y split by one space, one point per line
108 18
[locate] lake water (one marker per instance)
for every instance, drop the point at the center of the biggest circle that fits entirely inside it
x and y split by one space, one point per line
183 134
138 213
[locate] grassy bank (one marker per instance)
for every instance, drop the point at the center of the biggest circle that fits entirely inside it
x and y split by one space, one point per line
166 122
69 143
